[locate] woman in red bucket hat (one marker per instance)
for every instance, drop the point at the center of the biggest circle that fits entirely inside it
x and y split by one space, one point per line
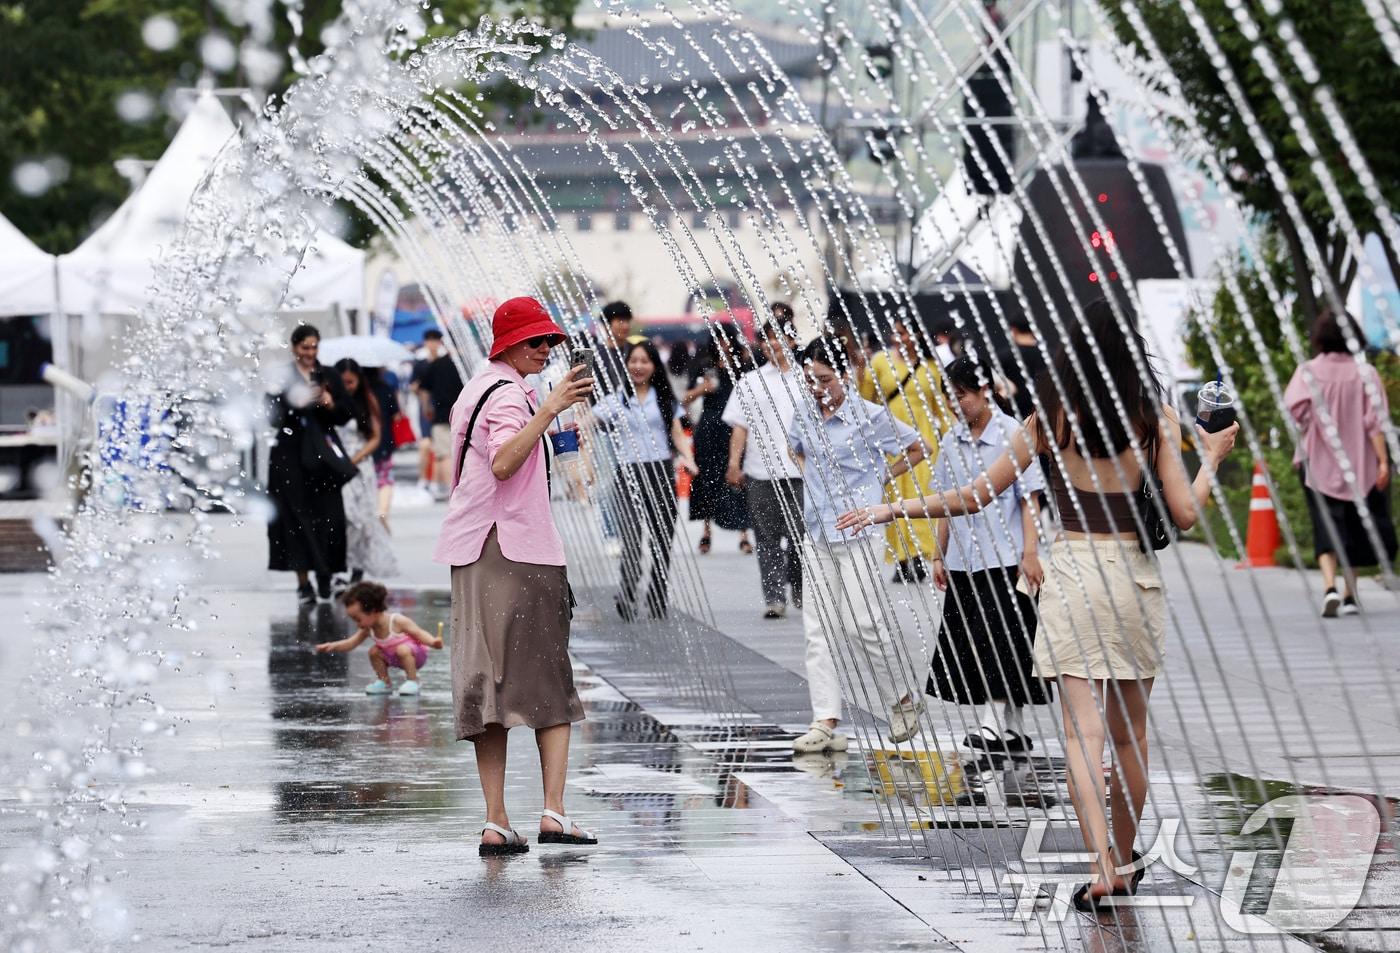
510 592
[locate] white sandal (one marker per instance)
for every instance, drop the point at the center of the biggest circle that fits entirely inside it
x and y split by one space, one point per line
514 843
565 834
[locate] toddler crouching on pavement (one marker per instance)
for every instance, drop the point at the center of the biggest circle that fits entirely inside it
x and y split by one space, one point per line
398 640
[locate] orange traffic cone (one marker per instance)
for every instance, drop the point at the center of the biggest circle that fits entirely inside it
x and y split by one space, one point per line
1263 534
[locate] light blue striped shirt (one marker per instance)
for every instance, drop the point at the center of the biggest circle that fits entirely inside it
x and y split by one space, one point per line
992 536
638 433
844 467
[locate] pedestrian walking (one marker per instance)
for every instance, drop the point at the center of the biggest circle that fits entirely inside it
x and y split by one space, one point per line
1337 395
649 444
399 642
713 500
306 468
760 412
1102 607
610 374
369 550
384 385
430 350
902 378
679 361
1021 384
984 654
843 443
511 603
441 382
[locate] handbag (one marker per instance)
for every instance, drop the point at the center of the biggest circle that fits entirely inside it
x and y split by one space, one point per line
1158 530
325 464
402 432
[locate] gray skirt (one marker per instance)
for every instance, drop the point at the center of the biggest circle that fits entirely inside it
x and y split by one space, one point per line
510 645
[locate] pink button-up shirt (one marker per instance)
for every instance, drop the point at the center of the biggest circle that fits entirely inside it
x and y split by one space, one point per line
1357 417
517 507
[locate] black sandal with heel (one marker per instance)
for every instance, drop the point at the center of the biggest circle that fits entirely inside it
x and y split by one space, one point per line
1085 902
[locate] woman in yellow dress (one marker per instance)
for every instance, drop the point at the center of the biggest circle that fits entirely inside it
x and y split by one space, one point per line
912 385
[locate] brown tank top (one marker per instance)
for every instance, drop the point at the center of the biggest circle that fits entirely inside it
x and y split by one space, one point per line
1103 512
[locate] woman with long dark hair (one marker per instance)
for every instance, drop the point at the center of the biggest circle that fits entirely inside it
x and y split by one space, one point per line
307 531
645 420
1102 608
712 500
368 549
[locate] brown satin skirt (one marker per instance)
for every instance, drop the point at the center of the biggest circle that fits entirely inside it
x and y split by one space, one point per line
510 645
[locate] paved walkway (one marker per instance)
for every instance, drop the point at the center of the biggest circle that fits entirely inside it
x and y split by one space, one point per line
292 812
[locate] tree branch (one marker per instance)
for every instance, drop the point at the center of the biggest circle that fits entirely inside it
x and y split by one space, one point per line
1302 274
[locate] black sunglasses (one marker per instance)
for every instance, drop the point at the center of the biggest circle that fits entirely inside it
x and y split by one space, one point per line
538 340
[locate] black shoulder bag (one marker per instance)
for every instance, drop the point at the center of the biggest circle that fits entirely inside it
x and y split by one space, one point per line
1158 528
325 464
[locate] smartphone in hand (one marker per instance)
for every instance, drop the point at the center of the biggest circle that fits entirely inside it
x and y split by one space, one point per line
579 354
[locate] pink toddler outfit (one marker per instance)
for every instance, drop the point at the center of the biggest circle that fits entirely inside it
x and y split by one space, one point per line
389 646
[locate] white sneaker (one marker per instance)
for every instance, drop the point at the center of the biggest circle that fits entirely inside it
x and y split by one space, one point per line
408 688
904 720
819 738
377 687
775 610
1349 607
1331 602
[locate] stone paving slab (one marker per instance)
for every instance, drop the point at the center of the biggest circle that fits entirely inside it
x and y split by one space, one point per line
293 812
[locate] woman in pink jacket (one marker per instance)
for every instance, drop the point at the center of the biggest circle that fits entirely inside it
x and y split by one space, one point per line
510 593
1339 404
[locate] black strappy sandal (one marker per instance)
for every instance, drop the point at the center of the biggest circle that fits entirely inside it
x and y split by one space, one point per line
1085 902
1139 873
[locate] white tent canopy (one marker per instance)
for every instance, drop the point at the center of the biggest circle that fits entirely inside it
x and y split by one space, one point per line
27 278
112 272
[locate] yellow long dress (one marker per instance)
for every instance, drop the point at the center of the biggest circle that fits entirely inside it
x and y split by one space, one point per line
918 399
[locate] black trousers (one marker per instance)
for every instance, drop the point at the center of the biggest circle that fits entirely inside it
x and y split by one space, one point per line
646 497
777 568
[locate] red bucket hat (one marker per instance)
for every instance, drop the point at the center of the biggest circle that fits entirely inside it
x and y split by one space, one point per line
520 319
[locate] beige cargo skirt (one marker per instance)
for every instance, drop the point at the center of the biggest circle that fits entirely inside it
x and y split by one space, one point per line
510 645
1102 611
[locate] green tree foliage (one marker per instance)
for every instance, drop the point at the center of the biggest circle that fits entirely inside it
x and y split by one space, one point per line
1352 63
65 63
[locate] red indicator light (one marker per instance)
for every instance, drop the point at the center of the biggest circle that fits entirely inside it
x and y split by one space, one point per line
1103 197
1093 276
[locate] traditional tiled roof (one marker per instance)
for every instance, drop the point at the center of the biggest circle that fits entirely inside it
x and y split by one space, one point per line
706 50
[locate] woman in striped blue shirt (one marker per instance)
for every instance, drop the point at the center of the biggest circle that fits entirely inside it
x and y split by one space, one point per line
649 444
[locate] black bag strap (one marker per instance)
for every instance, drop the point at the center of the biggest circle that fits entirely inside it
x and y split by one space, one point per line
900 386
471 425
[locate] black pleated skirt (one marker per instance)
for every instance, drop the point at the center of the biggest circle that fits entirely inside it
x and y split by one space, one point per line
984 646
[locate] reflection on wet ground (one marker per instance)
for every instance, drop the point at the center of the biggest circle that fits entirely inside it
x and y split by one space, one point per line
980 819
321 812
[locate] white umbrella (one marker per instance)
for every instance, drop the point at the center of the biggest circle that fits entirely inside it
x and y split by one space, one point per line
365 349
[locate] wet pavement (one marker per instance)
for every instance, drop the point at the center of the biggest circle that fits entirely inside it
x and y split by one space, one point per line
290 811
